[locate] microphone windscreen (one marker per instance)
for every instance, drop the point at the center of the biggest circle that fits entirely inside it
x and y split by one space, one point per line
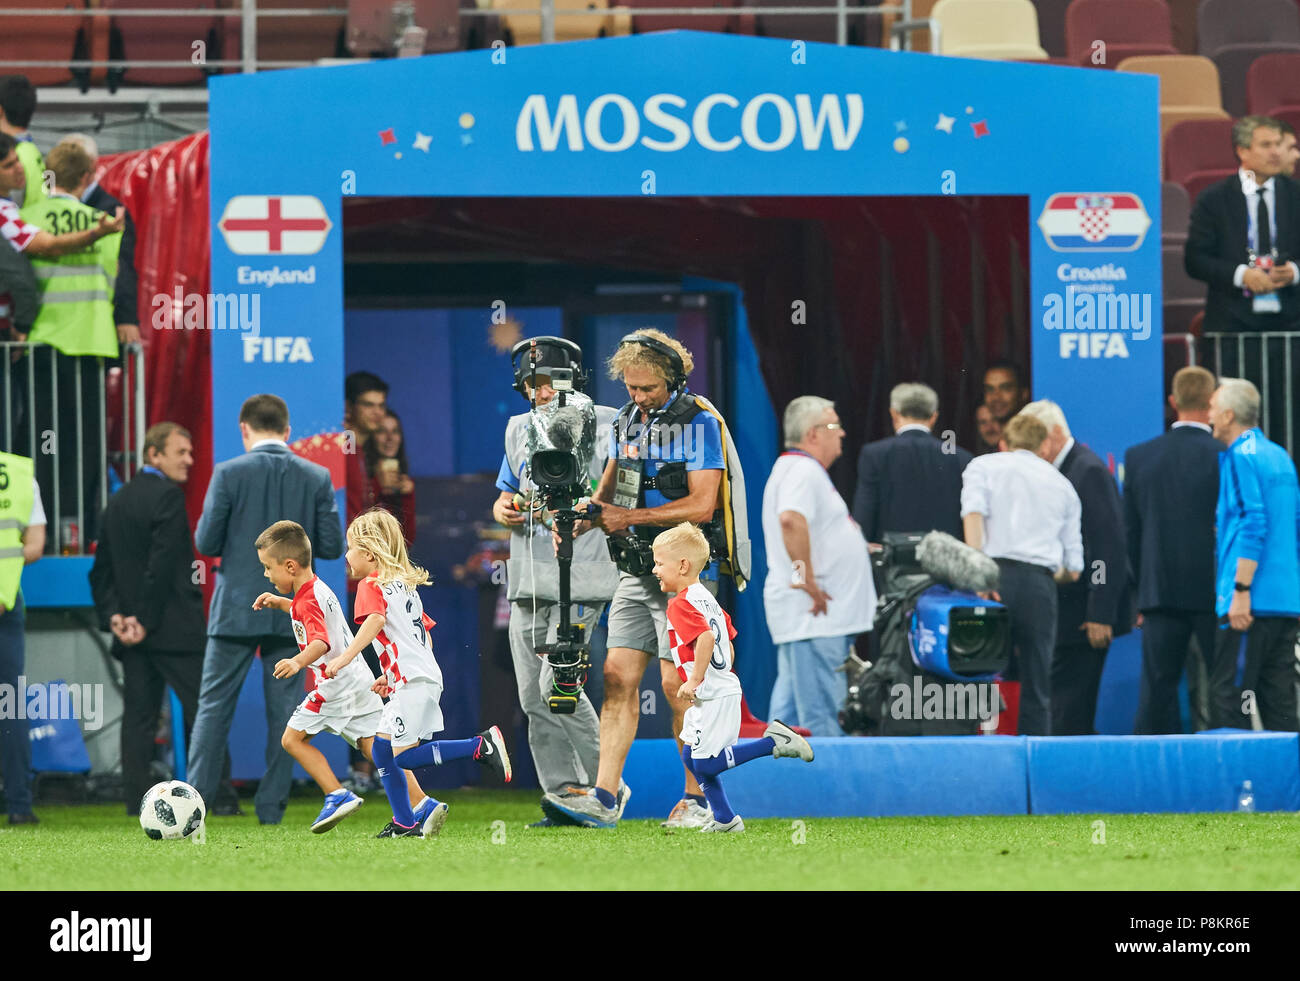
957 564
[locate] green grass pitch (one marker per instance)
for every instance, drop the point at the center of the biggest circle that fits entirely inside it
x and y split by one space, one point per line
486 845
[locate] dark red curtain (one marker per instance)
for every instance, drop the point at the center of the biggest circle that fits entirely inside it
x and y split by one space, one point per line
165 188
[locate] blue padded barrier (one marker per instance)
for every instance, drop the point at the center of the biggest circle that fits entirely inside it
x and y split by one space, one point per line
1137 774
850 778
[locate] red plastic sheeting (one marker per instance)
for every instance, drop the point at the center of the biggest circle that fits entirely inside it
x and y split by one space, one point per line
166 190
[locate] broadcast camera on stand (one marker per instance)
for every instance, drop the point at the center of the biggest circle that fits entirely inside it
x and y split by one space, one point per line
561 443
932 627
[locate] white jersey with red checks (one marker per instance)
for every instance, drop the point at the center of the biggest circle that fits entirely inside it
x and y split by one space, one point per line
690 613
405 648
12 227
317 615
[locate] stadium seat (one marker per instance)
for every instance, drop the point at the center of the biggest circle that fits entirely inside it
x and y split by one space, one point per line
1197 182
1128 28
998 29
1051 26
921 10
370 30
1182 24
1273 80
1175 213
1177 284
1198 145
285 38
160 39
1189 86
1287 114
527 28
806 27
722 22
1220 23
1234 61
46 39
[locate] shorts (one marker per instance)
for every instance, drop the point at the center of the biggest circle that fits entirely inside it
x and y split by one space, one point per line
710 727
413 713
353 718
638 616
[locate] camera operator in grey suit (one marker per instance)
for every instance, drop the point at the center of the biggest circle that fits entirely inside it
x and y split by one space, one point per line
565 748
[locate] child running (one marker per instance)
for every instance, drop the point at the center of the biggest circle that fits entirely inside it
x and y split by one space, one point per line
390 613
344 705
700 635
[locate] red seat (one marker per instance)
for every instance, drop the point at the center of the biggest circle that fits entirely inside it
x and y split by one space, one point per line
285 38
1178 286
1197 145
722 23
1234 62
1273 80
1127 27
45 39
805 27
161 39
1051 28
369 25
1223 22
1201 179
1175 212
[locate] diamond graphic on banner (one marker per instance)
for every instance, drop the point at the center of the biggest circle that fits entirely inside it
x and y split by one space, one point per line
289 224
1094 222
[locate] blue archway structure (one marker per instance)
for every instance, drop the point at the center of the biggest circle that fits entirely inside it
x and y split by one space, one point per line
694 114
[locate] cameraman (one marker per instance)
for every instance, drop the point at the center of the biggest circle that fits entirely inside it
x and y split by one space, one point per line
666 466
565 748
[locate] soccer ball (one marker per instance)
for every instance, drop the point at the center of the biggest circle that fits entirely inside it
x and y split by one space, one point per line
171 809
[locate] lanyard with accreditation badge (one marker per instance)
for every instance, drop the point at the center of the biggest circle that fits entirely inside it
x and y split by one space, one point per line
628 476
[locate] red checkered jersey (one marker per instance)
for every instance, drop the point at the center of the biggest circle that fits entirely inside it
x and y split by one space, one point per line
690 613
16 231
405 648
317 615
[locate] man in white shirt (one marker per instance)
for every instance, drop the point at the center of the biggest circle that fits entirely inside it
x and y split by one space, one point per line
1020 511
819 593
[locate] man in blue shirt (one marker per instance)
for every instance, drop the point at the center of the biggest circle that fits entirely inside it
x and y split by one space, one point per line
1258 566
666 466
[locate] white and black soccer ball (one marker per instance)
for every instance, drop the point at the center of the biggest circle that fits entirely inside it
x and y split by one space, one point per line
171 810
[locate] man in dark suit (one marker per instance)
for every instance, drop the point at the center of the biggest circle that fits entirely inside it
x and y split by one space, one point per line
1226 229
1098 607
147 594
126 314
910 481
248 494
1171 488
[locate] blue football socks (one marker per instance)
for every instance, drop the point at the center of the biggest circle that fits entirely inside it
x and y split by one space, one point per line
605 797
438 753
733 756
394 782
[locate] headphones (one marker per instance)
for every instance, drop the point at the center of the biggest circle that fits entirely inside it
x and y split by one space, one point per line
523 369
674 359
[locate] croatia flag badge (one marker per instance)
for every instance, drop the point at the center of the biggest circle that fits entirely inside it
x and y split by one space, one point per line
1094 222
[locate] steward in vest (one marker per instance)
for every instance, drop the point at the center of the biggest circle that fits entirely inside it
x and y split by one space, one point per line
75 320
22 539
76 315
17 104
671 460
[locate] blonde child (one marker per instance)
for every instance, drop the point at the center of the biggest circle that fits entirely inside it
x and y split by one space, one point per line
391 615
700 635
344 705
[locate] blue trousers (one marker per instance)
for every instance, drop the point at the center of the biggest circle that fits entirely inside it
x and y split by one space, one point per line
809 691
225 665
15 736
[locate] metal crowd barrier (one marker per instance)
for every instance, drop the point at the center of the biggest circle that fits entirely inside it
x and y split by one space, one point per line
24 386
249 13
1269 360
